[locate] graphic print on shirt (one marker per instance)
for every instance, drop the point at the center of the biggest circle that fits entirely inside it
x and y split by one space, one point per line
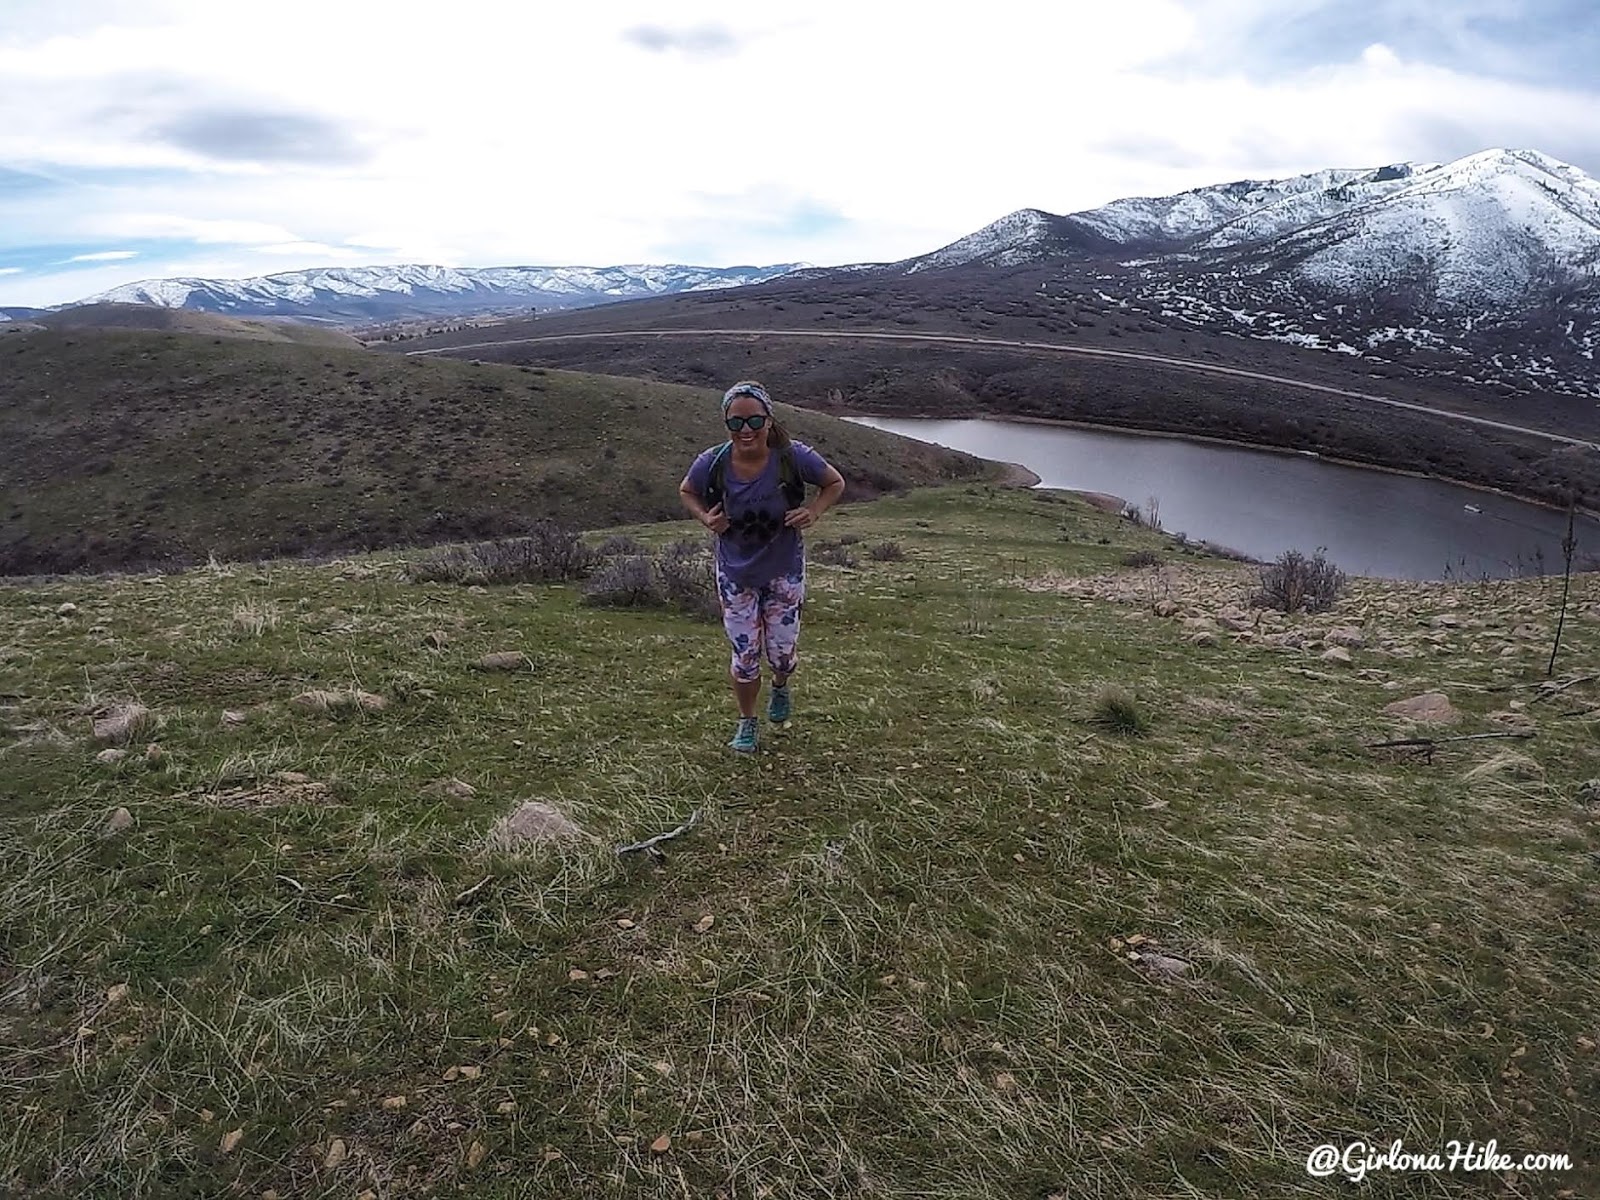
753 526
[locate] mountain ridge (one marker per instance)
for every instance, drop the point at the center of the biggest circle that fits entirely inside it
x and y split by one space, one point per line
375 293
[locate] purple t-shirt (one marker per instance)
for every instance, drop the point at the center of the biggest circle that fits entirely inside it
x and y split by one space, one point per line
757 547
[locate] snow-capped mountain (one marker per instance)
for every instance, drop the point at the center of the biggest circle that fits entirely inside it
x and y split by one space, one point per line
1483 228
1494 257
390 293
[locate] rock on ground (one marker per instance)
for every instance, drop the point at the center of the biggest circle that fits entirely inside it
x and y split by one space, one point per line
1431 708
503 660
533 821
322 700
121 723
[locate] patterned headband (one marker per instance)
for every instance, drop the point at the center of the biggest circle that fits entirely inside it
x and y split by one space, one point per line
747 388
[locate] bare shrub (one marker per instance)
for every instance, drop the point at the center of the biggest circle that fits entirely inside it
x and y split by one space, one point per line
886 552
1141 558
684 571
621 544
1295 582
834 554
549 554
625 583
1147 517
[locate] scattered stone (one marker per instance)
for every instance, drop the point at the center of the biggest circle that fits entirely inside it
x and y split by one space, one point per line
1199 623
1508 652
503 660
67 609
1527 631
460 788
438 639
1337 655
1344 635
117 993
121 723
1589 792
231 1140
704 924
1162 967
337 1153
1432 708
1202 637
1446 621
1235 619
155 756
1166 608
111 756
661 1145
533 822
121 821
325 701
476 1153
234 716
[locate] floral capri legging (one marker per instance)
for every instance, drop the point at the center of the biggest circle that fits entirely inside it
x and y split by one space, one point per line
767 616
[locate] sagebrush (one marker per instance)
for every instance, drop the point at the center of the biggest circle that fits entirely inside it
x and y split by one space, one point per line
1297 582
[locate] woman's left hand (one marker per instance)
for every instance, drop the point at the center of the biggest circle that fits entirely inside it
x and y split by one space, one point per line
800 518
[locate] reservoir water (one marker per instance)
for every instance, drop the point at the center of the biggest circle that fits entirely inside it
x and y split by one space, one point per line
1261 502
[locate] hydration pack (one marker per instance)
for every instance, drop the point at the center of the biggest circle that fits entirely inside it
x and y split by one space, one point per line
789 479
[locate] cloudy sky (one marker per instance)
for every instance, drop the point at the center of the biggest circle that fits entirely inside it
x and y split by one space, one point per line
149 138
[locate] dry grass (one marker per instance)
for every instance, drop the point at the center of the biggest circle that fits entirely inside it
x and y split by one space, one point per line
926 895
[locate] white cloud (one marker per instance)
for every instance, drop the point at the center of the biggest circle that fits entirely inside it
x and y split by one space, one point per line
10 270
515 133
103 256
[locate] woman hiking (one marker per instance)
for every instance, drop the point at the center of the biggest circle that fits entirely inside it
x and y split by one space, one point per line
749 491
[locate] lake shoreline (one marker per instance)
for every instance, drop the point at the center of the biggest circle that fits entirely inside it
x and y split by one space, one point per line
1235 443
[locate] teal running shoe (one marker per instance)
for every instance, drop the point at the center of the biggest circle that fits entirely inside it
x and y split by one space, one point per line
744 736
779 706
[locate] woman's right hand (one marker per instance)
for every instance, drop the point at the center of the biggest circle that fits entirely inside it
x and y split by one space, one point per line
715 520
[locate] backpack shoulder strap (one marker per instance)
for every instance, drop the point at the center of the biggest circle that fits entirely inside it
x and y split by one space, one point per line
789 477
716 480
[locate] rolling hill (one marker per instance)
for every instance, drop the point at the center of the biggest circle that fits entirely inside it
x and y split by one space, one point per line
130 448
177 320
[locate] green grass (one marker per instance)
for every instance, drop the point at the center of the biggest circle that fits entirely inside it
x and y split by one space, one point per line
924 888
133 448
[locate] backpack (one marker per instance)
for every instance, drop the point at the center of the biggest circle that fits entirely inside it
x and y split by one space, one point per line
789 479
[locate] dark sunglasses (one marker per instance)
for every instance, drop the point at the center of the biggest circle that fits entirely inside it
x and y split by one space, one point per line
738 423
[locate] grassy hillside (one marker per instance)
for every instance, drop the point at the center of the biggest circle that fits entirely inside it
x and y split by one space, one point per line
909 379
179 320
139 447
944 935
